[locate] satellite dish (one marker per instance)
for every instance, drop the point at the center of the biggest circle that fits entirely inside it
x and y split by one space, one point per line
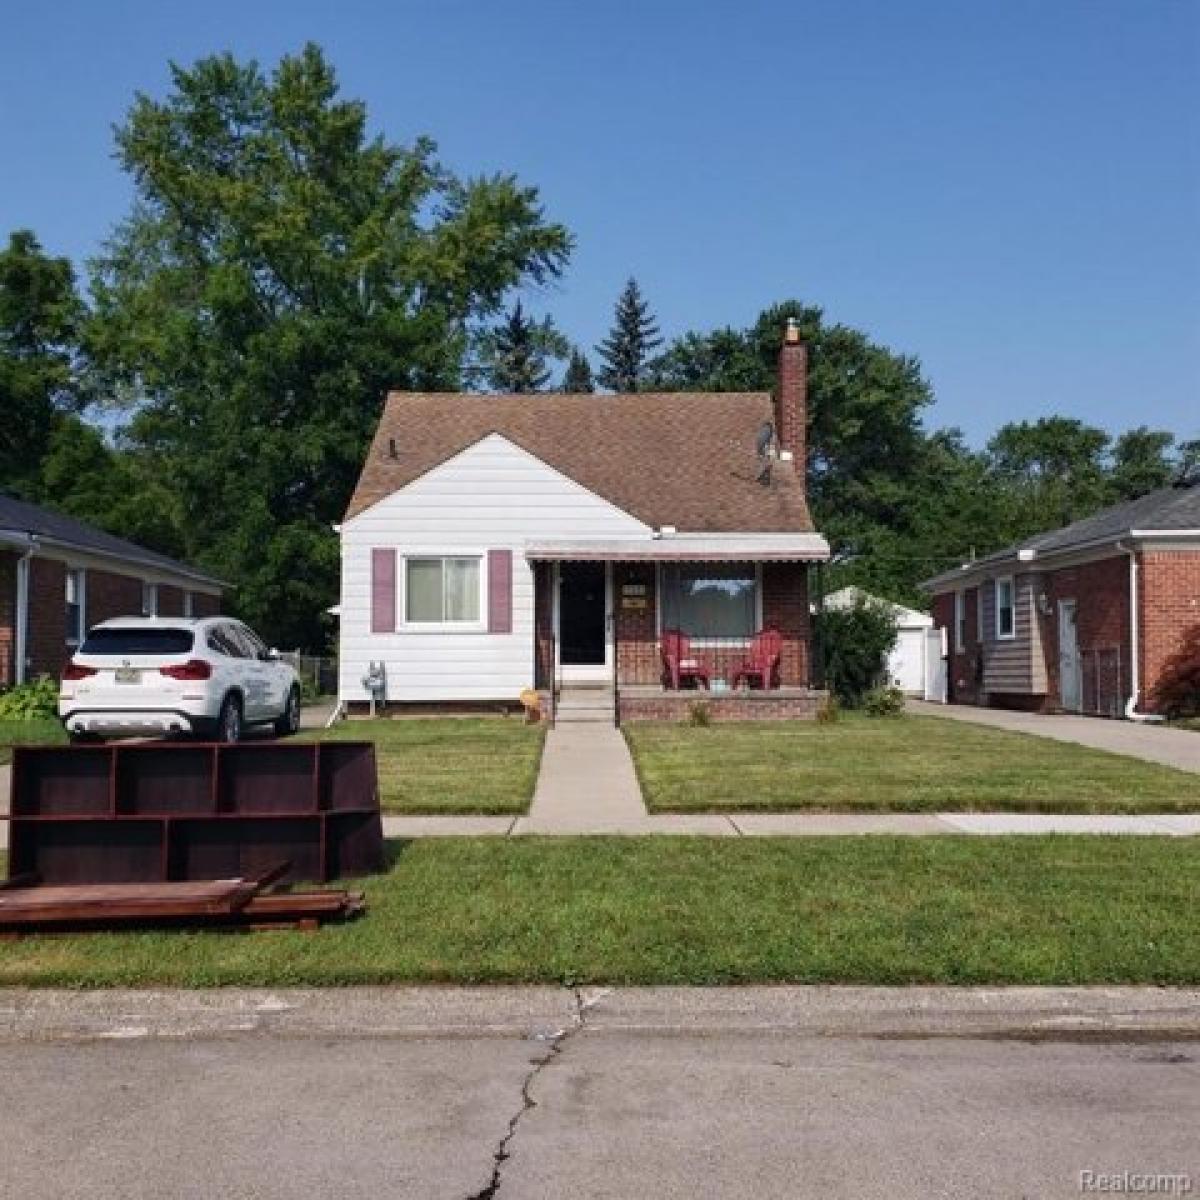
765 449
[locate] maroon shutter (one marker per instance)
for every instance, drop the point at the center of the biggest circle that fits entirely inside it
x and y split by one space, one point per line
499 591
383 590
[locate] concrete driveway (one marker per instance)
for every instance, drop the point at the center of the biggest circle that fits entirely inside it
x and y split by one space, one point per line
1178 748
539 1093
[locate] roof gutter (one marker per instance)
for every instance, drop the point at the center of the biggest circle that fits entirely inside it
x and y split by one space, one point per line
20 537
1030 554
1135 684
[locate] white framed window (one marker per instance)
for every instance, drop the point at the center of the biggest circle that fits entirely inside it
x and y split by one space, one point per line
443 591
711 600
76 598
149 599
189 607
960 620
1006 608
979 614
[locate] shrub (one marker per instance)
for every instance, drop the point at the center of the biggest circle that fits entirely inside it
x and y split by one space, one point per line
829 712
1178 691
36 701
883 702
699 714
854 644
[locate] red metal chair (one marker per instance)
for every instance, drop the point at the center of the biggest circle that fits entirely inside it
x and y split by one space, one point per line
680 664
762 663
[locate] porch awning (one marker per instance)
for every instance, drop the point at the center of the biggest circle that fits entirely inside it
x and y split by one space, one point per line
683 547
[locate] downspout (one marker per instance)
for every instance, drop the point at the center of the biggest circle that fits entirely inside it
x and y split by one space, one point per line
21 649
1135 686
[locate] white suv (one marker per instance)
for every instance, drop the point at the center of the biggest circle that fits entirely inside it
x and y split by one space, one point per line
135 676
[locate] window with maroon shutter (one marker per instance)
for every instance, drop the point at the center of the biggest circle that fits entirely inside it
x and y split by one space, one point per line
499 591
383 590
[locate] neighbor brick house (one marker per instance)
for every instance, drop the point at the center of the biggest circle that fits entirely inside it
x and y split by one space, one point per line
502 543
1080 619
59 576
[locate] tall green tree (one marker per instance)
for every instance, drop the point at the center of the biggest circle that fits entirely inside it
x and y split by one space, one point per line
1142 461
41 316
578 377
631 342
280 270
1054 468
514 355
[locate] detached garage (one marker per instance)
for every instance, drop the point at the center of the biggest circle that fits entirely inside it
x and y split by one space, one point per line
907 662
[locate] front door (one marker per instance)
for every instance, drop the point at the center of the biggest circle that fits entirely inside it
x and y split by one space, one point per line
1070 683
583 642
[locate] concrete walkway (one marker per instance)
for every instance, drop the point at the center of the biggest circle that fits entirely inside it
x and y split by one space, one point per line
574 824
1179 748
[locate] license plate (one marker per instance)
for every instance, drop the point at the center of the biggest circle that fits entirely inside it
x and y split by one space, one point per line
128 675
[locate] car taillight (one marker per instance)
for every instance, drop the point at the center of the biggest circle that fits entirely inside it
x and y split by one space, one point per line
75 671
194 668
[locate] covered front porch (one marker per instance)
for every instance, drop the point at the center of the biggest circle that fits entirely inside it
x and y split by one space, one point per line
653 628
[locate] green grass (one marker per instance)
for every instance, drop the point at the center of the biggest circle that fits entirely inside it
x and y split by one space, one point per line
449 764
26 732
1036 910
899 764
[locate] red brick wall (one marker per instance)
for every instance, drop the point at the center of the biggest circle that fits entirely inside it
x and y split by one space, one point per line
109 595
785 606
8 611
964 670
543 623
170 601
1101 594
46 647
1170 606
728 706
204 605
637 633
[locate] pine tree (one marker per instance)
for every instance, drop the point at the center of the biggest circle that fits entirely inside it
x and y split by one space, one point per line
513 357
579 373
628 347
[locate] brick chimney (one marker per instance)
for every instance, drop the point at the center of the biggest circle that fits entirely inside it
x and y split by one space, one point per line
791 395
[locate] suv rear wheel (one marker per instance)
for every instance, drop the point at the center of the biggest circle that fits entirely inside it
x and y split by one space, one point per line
229 723
289 721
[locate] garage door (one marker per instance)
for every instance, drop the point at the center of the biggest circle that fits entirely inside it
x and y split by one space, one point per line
906 665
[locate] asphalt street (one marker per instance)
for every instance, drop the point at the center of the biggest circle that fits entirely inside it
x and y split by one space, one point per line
788 1092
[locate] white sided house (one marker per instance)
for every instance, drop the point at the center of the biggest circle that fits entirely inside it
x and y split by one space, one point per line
501 544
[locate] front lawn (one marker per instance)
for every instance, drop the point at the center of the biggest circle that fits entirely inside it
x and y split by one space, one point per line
663 910
898 764
28 732
450 764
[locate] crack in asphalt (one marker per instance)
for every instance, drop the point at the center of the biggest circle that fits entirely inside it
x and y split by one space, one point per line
558 1041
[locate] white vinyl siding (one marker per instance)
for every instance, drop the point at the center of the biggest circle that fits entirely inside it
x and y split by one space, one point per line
492 495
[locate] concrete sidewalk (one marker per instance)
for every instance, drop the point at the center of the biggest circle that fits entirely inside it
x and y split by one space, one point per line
1179 748
794 825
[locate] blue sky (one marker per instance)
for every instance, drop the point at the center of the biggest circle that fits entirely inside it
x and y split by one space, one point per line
1008 189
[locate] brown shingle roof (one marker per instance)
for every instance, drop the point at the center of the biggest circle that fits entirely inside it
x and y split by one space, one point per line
681 458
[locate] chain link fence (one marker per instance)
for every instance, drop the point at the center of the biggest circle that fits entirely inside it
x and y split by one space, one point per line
318 674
